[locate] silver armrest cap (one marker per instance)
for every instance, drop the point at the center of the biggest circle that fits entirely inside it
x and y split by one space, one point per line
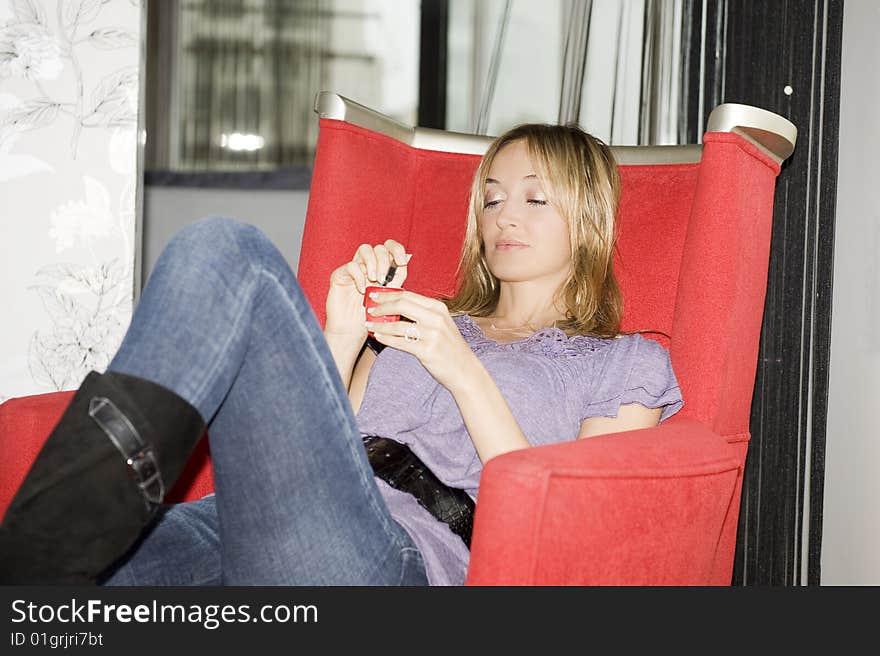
770 132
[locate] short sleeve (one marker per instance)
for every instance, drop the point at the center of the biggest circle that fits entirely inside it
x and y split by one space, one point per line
634 370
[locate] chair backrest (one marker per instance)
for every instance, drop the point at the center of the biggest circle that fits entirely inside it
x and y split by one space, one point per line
693 249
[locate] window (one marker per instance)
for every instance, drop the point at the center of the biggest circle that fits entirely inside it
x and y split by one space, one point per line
613 66
231 83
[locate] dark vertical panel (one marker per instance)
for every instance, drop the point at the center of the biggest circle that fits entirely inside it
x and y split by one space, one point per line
432 63
691 29
753 51
770 519
702 50
771 46
715 51
161 28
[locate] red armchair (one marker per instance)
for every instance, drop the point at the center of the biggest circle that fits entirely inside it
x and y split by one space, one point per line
654 506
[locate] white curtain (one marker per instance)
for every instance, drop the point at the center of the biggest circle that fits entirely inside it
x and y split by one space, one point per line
613 66
632 80
611 96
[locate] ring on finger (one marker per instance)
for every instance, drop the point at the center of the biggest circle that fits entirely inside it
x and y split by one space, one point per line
411 334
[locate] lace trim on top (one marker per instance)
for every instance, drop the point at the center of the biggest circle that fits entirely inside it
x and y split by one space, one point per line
551 342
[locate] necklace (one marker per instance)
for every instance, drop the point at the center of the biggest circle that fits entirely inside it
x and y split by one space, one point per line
494 327
528 325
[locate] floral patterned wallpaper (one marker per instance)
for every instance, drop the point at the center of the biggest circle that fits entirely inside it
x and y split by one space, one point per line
68 187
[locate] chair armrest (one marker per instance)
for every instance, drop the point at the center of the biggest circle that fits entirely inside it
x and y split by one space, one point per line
27 421
643 507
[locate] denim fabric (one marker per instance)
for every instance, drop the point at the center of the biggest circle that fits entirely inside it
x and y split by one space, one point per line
224 323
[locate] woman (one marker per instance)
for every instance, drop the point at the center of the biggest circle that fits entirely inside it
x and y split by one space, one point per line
528 352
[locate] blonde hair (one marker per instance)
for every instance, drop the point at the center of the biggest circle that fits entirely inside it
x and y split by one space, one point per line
582 181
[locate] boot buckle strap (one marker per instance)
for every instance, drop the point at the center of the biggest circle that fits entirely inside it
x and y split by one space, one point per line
139 455
145 468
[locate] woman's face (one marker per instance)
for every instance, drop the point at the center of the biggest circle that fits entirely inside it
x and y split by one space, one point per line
516 210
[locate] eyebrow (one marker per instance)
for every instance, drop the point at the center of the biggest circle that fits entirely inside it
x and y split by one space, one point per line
494 181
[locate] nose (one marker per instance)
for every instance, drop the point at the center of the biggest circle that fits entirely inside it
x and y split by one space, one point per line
507 216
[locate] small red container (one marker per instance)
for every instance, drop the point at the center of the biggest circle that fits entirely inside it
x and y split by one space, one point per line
369 302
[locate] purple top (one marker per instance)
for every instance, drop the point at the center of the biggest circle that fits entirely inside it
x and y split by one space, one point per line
551 382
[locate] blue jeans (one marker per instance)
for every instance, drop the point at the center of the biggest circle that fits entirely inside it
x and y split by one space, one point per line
224 323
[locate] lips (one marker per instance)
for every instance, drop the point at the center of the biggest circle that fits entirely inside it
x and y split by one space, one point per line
509 244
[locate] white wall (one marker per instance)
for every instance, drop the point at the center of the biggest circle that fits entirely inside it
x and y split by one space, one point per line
280 214
69 84
851 520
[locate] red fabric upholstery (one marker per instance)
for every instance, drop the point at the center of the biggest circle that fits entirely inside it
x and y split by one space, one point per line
649 250
638 508
367 187
657 506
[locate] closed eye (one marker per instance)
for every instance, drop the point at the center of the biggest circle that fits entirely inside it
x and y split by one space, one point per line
531 201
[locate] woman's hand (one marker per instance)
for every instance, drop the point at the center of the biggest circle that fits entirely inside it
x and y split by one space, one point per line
345 298
449 359
440 347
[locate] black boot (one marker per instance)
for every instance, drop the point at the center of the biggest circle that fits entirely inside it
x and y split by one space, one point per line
98 480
